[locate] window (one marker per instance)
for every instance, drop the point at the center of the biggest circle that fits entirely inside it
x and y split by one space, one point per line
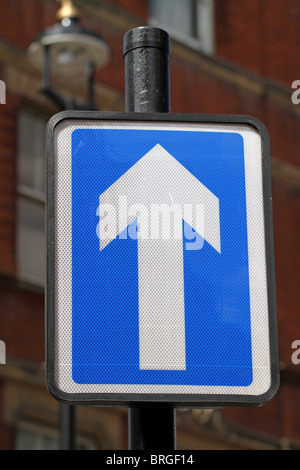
32 438
189 21
31 198
35 436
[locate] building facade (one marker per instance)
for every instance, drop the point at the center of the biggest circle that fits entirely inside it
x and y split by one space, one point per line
227 57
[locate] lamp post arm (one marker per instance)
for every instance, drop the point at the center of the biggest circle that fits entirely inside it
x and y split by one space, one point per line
62 102
46 88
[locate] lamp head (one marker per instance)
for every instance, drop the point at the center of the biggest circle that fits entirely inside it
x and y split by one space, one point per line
72 47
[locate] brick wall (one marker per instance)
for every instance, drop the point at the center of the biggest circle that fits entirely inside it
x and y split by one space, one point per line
22 325
262 36
242 37
136 7
286 202
6 431
20 20
7 183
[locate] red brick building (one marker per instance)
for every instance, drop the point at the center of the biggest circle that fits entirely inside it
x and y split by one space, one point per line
227 57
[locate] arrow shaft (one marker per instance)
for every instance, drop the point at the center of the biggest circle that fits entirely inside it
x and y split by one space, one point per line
161 304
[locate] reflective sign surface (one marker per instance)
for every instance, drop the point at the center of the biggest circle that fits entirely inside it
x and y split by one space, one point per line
160 266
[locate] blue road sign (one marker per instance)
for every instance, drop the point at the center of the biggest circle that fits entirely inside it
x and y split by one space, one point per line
161 239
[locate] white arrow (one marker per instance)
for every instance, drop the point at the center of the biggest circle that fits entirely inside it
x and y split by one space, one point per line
158 180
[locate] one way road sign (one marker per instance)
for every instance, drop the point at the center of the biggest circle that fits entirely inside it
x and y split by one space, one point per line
166 185
160 260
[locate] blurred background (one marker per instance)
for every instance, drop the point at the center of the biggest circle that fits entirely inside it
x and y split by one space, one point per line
227 57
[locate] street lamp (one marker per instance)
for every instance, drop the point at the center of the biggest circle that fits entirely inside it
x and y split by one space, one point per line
68 54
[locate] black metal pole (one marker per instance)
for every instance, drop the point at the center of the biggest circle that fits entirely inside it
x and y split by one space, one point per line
147 89
67 427
152 428
147 78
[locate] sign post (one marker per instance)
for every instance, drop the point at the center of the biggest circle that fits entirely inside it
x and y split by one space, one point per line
160 263
147 89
